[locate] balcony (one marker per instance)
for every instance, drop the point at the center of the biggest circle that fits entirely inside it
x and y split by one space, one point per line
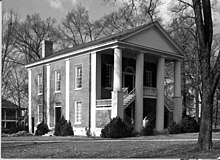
103 103
150 92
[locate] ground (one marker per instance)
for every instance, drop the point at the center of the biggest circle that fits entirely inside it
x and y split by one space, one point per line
161 146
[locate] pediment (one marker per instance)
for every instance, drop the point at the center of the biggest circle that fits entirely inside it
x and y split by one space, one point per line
154 38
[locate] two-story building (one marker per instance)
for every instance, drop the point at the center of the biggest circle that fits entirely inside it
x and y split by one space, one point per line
118 75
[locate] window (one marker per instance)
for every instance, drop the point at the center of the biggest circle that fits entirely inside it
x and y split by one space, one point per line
148 78
57 81
108 75
78 77
40 83
40 112
78 109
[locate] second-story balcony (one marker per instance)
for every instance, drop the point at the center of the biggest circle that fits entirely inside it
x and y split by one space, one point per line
147 92
150 92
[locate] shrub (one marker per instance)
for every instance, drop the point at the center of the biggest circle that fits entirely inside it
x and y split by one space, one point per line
147 130
117 128
42 129
67 130
174 128
17 129
189 125
63 128
88 132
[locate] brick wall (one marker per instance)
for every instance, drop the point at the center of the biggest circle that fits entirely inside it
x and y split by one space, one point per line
82 95
36 99
59 97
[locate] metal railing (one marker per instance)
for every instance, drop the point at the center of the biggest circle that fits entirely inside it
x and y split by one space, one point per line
125 92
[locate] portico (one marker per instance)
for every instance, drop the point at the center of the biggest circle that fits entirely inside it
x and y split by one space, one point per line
117 102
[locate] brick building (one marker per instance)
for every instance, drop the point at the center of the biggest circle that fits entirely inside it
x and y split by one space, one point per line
118 75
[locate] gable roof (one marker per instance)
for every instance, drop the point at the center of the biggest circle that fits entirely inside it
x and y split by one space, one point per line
114 38
8 104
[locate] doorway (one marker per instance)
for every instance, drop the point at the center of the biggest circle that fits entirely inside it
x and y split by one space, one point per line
128 78
57 114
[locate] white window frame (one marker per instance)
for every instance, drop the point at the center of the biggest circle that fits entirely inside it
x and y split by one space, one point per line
38 111
148 78
56 81
109 76
40 84
78 77
78 121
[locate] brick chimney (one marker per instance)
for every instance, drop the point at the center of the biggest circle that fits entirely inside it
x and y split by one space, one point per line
47 48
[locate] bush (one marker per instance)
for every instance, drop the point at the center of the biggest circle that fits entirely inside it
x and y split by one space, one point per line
63 128
17 129
147 130
117 128
174 128
189 125
88 132
42 129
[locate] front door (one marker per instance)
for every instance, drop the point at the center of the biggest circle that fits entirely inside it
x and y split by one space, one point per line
129 81
57 114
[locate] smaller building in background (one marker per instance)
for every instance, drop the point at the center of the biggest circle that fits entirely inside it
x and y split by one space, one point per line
10 115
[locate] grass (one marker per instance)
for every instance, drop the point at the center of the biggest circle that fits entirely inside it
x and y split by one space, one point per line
82 147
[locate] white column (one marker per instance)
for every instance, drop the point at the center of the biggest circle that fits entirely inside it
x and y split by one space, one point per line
117 83
117 94
160 94
67 89
29 101
93 92
139 92
48 94
177 112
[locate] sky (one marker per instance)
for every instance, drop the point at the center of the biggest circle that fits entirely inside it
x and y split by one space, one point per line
97 8
58 8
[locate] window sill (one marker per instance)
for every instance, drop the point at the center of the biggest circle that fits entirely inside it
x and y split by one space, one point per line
39 94
77 123
57 92
78 89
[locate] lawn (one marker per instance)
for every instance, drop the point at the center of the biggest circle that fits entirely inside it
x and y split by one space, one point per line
162 146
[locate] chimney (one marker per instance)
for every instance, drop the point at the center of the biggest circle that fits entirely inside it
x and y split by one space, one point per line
47 48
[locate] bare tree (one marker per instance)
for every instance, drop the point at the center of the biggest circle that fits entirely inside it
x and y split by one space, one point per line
77 28
9 55
31 33
131 14
210 73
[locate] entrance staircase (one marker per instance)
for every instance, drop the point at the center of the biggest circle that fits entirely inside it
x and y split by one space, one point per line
169 104
128 97
152 115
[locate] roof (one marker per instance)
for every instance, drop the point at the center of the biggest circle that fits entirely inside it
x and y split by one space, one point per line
98 41
8 104
117 37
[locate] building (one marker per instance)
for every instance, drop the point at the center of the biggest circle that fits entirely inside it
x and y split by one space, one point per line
118 75
10 115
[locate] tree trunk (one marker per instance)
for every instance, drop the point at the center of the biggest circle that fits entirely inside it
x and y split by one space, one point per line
197 103
205 133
